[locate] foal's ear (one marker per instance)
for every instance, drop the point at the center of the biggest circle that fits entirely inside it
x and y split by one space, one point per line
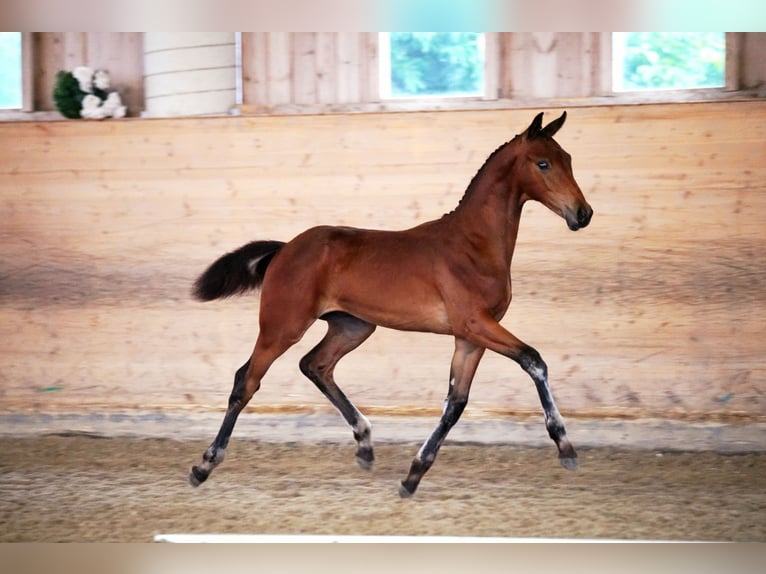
551 129
535 127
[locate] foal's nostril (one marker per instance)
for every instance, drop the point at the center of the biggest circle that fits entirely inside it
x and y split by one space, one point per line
583 216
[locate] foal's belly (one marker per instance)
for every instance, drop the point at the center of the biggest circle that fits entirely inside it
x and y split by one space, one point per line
395 305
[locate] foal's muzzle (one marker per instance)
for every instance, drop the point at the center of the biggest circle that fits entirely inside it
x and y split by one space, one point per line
580 218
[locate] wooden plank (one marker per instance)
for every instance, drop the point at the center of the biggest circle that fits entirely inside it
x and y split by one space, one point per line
326 62
75 49
506 46
491 66
520 66
348 75
369 79
571 70
304 73
541 49
27 72
752 61
279 68
255 82
732 70
48 61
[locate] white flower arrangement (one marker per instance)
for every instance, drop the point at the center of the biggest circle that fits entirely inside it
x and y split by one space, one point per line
84 93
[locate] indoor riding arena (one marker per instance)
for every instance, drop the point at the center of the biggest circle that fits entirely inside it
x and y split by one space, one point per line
114 379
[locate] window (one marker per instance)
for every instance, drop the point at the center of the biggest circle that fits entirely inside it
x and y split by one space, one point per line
668 60
431 64
11 95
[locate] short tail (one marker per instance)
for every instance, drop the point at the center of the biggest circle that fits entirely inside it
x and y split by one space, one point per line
237 272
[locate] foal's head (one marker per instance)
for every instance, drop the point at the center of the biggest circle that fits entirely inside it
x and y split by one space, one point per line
544 170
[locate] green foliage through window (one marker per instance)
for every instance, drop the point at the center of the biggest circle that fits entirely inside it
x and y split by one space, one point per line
669 60
436 64
10 70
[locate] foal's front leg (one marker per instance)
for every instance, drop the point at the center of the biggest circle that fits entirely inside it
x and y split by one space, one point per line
464 363
531 361
488 332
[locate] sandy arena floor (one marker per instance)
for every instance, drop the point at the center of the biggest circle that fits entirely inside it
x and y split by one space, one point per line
79 488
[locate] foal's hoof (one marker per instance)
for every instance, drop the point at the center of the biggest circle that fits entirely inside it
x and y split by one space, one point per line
569 462
365 458
197 476
363 463
404 492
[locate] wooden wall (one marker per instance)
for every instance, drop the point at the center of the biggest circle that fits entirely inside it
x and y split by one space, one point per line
299 68
284 71
552 64
656 309
329 71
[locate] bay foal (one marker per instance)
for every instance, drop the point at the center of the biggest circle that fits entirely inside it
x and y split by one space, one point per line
449 276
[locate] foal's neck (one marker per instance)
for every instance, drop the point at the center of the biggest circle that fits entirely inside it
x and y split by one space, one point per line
490 209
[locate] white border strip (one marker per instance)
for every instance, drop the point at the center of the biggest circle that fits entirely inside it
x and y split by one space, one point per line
352 539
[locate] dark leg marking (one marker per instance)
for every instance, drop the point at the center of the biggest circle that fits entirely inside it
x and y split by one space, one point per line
427 454
464 363
487 332
247 381
533 364
214 455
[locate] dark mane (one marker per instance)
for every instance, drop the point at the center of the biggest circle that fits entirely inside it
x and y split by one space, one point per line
478 174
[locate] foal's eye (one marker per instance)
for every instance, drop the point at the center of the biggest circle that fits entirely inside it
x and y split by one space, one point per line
543 164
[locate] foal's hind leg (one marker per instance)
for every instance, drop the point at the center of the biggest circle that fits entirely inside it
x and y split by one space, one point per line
344 334
246 382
